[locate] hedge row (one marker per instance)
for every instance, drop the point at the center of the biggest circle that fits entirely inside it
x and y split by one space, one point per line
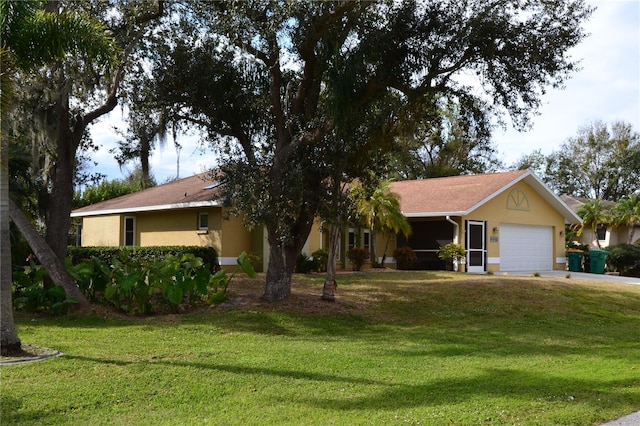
142 254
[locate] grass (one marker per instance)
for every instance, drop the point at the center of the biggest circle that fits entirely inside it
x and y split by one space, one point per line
396 348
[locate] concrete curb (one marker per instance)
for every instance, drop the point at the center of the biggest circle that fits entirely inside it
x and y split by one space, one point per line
39 354
632 419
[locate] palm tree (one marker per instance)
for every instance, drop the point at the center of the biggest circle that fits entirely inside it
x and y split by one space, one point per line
381 212
627 213
32 37
593 213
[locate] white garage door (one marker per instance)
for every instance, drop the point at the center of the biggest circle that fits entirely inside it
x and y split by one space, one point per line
526 248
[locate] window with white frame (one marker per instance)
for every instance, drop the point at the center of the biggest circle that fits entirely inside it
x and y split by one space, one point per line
352 239
203 221
366 239
129 231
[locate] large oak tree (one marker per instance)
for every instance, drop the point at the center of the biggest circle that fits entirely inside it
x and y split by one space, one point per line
272 82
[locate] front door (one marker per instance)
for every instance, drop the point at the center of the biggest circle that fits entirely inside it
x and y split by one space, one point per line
476 246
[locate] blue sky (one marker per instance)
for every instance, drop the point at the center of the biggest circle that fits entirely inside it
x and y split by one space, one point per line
607 88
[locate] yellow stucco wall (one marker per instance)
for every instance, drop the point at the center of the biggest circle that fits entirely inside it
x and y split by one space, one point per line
235 239
101 231
316 239
178 227
504 209
171 227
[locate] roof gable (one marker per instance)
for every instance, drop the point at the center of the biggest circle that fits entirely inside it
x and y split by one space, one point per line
193 191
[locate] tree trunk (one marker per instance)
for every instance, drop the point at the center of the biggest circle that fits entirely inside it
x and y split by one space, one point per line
59 210
282 257
46 256
330 284
9 342
372 252
386 247
282 261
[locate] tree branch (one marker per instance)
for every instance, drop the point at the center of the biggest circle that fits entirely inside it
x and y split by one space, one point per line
46 256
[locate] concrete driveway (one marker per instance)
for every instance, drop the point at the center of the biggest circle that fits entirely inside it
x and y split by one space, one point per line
577 276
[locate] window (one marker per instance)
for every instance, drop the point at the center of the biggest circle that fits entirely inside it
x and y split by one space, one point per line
602 232
78 234
129 231
203 222
366 239
352 238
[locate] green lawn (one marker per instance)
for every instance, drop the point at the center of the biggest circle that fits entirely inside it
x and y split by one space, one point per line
396 348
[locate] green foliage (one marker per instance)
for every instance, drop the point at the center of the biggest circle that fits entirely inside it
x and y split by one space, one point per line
184 280
130 290
321 257
601 162
106 190
92 276
220 281
30 295
405 257
317 262
626 212
357 256
452 253
141 254
446 142
576 246
593 213
140 285
625 258
305 264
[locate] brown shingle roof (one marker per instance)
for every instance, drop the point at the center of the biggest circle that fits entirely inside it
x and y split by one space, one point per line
459 195
455 194
182 193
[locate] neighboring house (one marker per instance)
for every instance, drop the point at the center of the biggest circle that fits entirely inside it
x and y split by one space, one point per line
507 222
606 234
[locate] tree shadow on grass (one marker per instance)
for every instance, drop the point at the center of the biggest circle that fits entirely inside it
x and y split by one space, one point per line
240 370
600 395
602 398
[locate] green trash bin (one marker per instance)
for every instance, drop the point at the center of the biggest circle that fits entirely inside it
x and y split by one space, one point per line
575 261
598 260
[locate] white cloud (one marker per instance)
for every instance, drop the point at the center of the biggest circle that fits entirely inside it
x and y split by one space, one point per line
606 88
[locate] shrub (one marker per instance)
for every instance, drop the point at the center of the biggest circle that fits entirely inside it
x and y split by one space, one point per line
405 257
576 246
321 257
358 256
625 258
451 253
130 290
92 276
305 264
140 254
139 285
30 295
